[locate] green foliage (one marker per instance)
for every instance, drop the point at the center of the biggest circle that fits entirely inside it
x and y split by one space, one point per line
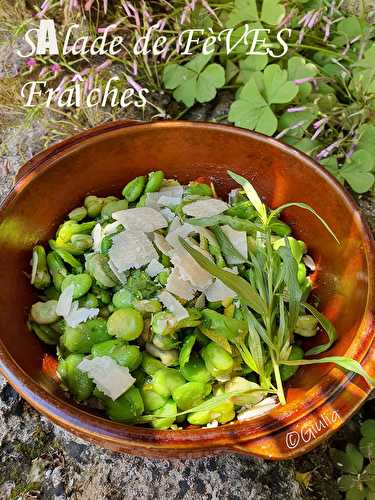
195 81
328 84
356 464
253 109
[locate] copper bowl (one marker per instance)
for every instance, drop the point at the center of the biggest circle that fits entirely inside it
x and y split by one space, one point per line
101 161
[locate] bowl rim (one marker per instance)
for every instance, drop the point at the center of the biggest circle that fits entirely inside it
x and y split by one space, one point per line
134 438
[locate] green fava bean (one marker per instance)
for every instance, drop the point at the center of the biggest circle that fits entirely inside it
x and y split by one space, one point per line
40 277
71 227
217 360
51 293
97 266
82 241
150 364
106 244
44 313
166 380
83 337
125 324
151 399
195 370
57 269
45 333
286 372
124 354
168 411
306 326
198 189
78 214
164 342
163 323
89 300
78 383
133 190
126 408
191 394
223 413
140 377
81 283
123 298
113 206
93 205
155 181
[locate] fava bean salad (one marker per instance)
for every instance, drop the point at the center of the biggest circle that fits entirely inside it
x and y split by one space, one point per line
171 307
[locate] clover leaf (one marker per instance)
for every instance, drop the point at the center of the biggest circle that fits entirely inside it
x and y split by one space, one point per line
299 69
271 12
347 29
297 122
367 138
367 443
250 65
363 80
195 81
357 171
253 110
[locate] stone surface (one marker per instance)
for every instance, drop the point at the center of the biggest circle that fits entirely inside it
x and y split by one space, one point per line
40 460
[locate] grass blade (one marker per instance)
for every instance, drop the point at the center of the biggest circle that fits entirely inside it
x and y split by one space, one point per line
251 194
240 286
347 363
234 222
326 325
305 206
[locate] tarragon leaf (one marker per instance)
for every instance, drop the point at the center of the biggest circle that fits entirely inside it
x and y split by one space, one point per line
186 349
328 328
251 194
305 206
347 363
239 285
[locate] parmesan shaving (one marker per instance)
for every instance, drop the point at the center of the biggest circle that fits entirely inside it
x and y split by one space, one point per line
190 271
154 268
78 315
97 236
162 244
178 286
173 305
145 219
131 249
205 208
109 377
64 304
259 409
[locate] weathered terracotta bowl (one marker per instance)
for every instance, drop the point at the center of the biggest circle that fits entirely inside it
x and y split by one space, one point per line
101 161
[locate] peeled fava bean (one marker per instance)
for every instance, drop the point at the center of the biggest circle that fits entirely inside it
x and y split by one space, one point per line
81 284
133 190
78 383
45 333
40 277
166 380
217 360
44 313
168 412
151 399
195 370
191 394
83 337
222 413
154 182
125 324
150 364
124 354
126 408
306 326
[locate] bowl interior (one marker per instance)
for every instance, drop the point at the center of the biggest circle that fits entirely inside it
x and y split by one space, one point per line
104 163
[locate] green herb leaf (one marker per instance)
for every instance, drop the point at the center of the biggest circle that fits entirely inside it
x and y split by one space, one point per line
278 210
347 363
227 220
272 12
298 69
240 286
186 349
251 194
328 328
227 249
